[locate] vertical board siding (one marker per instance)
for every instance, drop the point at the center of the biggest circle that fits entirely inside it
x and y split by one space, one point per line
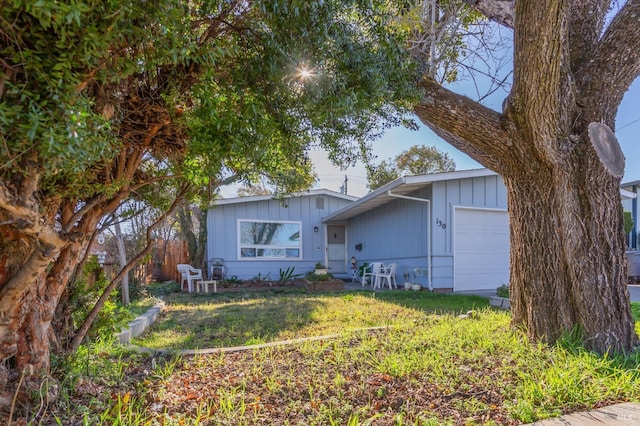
482 192
491 191
222 222
479 188
394 232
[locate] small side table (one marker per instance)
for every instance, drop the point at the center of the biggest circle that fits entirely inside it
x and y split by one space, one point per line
204 285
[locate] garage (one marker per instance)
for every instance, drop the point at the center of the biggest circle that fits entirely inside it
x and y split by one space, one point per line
481 249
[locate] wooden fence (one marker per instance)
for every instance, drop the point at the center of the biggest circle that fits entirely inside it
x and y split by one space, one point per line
163 268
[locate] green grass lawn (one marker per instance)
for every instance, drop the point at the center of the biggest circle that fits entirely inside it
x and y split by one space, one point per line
425 369
204 321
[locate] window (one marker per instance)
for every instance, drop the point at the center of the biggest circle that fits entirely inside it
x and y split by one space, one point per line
269 240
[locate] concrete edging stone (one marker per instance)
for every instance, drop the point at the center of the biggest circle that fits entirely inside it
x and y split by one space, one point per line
500 302
140 324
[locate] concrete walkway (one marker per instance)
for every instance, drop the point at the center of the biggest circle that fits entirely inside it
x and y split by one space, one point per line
627 414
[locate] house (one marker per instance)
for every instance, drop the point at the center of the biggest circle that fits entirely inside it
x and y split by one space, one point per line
630 192
259 235
453 228
447 231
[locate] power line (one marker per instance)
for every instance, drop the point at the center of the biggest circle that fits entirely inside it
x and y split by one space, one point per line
628 124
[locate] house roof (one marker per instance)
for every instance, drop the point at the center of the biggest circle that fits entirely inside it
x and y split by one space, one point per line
326 192
401 186
630 184
408 184
626 195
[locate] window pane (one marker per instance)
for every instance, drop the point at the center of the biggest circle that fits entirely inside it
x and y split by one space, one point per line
271 252
293 252
269 233
269 240
248 252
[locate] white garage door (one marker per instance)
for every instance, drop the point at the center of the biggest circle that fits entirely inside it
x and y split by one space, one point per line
481 249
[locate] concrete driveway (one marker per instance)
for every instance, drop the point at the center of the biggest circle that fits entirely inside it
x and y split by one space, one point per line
634 292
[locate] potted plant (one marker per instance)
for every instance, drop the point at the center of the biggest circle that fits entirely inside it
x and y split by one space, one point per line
407 283
416 286
321 269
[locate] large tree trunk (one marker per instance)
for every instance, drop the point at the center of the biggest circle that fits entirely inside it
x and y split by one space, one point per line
568 264
567 259
561 163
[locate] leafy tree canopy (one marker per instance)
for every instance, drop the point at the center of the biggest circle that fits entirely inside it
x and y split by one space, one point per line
235 86
417 160
100 100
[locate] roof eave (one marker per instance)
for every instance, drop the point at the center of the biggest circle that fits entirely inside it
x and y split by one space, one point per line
268 197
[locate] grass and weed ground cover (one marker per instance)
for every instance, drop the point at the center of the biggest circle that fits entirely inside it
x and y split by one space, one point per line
428 370
193 321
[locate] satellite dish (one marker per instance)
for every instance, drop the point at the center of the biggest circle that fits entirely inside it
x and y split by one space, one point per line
101 239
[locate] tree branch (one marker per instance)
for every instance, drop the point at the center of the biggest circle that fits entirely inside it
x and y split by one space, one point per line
467 125
615 63
499 11
541 72
84 328
586 20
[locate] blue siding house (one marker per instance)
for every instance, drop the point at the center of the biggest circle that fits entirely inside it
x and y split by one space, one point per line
448 231
260 235
630 192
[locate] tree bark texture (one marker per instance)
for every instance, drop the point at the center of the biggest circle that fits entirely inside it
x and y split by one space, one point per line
47 238
568 263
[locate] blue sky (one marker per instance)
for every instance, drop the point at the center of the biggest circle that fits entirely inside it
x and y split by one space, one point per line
399 139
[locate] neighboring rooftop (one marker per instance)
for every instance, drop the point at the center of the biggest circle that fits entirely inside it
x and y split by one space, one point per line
326 192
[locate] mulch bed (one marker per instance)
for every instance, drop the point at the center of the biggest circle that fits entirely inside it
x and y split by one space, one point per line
329 285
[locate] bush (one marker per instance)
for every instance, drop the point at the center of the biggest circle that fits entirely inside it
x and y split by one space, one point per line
503 291
85 291
313 277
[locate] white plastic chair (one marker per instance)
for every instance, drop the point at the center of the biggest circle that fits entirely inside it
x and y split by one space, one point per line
189 274
388 273
372 271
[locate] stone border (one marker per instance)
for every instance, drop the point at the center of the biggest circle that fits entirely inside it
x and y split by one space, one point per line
500 302
140 324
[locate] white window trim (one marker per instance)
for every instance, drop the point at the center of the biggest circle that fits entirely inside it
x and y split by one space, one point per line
262 246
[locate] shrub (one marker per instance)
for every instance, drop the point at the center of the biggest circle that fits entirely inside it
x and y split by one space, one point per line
313 277
503 291
83 295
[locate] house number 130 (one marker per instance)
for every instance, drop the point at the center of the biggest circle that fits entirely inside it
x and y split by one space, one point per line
441 224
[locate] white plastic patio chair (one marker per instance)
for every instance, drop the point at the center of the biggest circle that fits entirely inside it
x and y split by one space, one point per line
371 272
190 275
388 274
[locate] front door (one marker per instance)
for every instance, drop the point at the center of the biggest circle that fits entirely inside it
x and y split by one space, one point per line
336 249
